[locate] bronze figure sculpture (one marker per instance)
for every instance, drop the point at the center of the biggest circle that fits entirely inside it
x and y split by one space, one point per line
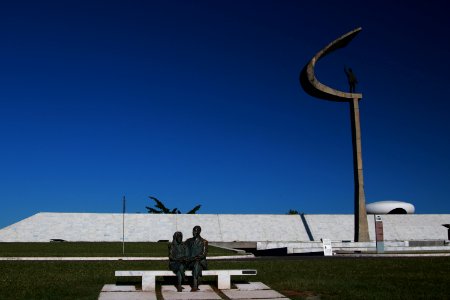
351 78
178 253
197 249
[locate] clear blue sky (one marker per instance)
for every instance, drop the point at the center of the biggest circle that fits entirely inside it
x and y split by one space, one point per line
198 102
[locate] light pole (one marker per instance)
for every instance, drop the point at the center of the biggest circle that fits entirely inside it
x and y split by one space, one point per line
123 225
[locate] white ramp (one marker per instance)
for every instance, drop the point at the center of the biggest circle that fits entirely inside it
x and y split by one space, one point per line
91 227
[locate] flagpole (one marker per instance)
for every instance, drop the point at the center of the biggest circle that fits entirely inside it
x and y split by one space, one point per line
123 225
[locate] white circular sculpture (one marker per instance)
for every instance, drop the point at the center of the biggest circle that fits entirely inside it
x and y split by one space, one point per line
390 207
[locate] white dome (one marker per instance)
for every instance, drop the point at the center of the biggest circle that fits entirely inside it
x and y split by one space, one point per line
390 207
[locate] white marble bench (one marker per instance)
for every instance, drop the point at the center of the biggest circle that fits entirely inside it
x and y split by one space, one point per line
149 277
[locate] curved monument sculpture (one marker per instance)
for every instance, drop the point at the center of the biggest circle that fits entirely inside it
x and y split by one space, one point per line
315 88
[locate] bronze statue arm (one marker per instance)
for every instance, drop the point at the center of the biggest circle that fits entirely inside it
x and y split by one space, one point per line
204 251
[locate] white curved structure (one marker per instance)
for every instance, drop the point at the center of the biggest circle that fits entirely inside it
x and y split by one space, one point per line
390 207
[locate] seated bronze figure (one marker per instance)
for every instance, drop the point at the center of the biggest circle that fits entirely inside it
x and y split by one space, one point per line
178 258
197 249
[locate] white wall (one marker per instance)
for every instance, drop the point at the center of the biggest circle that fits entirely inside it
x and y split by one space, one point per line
216 228
153 227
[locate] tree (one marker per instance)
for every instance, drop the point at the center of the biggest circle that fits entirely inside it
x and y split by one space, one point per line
160 208
292 212
194 210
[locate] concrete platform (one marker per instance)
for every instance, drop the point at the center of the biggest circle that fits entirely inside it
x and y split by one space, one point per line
119 288
120 292
128 296
255 294
252 290
169 292
338 247
251 286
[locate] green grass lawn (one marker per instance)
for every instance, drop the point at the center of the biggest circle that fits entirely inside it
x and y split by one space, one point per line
328 278
71 249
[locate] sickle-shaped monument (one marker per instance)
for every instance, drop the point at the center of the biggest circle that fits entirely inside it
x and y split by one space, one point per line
315 88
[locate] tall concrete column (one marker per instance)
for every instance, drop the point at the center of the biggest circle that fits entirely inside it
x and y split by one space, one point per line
315 88
361 226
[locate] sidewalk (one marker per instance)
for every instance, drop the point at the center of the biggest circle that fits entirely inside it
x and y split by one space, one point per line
128 258
391 254
252 290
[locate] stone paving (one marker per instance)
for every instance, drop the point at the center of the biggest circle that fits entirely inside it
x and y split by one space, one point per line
252 290
169 292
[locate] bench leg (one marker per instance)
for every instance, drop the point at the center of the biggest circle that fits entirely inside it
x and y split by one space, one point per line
223 282
148 282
